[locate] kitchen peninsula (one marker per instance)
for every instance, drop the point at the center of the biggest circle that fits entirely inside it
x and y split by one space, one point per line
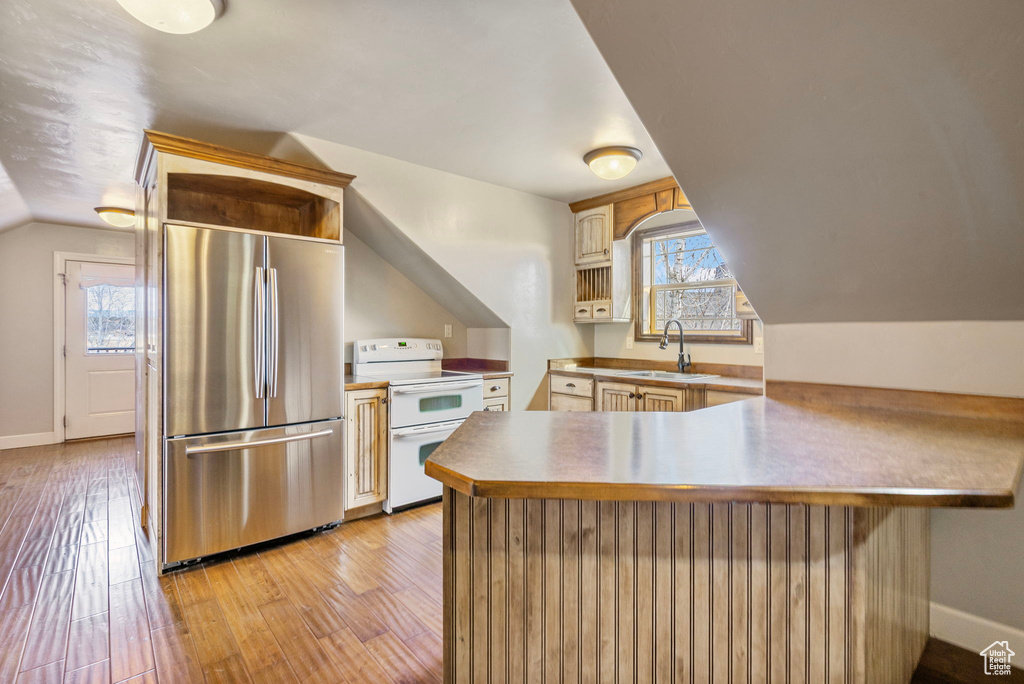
753 538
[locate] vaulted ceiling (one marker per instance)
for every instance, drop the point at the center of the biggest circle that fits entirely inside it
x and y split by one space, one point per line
512 93
855 161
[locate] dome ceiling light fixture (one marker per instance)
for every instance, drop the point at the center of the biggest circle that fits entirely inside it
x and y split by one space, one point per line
174 16
116 216
612 163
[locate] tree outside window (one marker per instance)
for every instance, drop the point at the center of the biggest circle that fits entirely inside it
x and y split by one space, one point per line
110 318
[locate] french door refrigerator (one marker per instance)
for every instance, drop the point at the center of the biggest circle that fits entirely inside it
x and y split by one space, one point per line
253 388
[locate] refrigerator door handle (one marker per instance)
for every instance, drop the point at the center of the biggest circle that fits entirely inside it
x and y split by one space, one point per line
259 338
275 320
232 446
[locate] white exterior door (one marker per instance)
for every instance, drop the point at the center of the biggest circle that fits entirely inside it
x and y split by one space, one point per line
99 338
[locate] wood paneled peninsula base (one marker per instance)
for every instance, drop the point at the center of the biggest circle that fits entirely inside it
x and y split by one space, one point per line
628 549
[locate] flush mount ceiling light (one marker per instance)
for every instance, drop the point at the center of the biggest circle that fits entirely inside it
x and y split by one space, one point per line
116 216
612 163
174 16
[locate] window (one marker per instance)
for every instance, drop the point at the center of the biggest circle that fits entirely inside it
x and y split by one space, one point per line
682 275
110 316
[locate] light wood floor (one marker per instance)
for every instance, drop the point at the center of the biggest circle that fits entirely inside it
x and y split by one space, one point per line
360 603
81 602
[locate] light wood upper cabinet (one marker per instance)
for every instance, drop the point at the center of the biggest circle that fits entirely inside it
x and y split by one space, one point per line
603 291
366 447
594 236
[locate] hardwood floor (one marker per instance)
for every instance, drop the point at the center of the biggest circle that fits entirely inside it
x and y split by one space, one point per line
80 602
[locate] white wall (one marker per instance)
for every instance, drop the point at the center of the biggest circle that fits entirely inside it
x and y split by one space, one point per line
26 316
381 302
977 555
489 343
512 250
972 357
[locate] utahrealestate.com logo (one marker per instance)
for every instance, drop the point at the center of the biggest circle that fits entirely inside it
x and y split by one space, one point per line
997 658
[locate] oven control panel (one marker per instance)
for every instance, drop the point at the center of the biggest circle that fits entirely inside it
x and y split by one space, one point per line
396 349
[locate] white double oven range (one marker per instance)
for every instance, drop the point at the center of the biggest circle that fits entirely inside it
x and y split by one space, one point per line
427 404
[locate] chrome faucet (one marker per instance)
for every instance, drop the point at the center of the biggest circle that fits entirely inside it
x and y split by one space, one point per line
684 359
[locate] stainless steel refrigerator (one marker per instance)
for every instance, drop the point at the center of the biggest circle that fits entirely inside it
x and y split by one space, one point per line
253 388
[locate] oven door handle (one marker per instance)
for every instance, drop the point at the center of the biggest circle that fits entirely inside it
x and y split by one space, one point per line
412 432
436 387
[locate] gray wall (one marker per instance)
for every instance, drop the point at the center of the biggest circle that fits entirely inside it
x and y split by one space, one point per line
26 316
859 165
381 302
854 161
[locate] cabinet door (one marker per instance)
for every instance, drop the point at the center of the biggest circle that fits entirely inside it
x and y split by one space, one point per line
568 402
659 399
497 404
614 396
716 397
366 444
594 236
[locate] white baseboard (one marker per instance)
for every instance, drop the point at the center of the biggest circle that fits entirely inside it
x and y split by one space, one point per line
18 441
970 631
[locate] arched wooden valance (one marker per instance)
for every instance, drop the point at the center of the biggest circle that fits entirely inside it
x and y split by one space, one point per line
635 205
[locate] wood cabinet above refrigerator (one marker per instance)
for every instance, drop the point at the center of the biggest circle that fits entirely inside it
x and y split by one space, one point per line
199 186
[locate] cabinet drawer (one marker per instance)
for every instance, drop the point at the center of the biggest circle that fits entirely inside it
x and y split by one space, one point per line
567 402
495 388
584 311
498 404
601 309
579 387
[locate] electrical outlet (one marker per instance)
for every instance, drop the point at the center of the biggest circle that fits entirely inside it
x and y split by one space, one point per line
447 329
759 345
629 342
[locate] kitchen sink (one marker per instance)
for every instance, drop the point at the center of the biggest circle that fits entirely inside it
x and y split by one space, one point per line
664 375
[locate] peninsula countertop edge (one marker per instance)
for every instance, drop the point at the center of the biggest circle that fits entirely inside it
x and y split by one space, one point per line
756 451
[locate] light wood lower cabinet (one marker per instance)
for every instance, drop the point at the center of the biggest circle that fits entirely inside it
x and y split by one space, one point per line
660 399
616 396
496 394
717 397
570 393
569 402
366 447
498 404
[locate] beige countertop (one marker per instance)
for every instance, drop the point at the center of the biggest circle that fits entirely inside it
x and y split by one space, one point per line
358 382
760 450
722 383
489 374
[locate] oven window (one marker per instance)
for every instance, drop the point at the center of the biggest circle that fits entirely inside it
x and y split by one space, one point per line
443 403
426 450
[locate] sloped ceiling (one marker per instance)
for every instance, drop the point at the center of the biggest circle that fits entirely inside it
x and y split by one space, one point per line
512 93
855 161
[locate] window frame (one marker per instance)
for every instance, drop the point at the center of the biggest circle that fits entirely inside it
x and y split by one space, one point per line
745 334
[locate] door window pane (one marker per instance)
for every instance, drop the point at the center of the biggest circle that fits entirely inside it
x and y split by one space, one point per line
110 318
